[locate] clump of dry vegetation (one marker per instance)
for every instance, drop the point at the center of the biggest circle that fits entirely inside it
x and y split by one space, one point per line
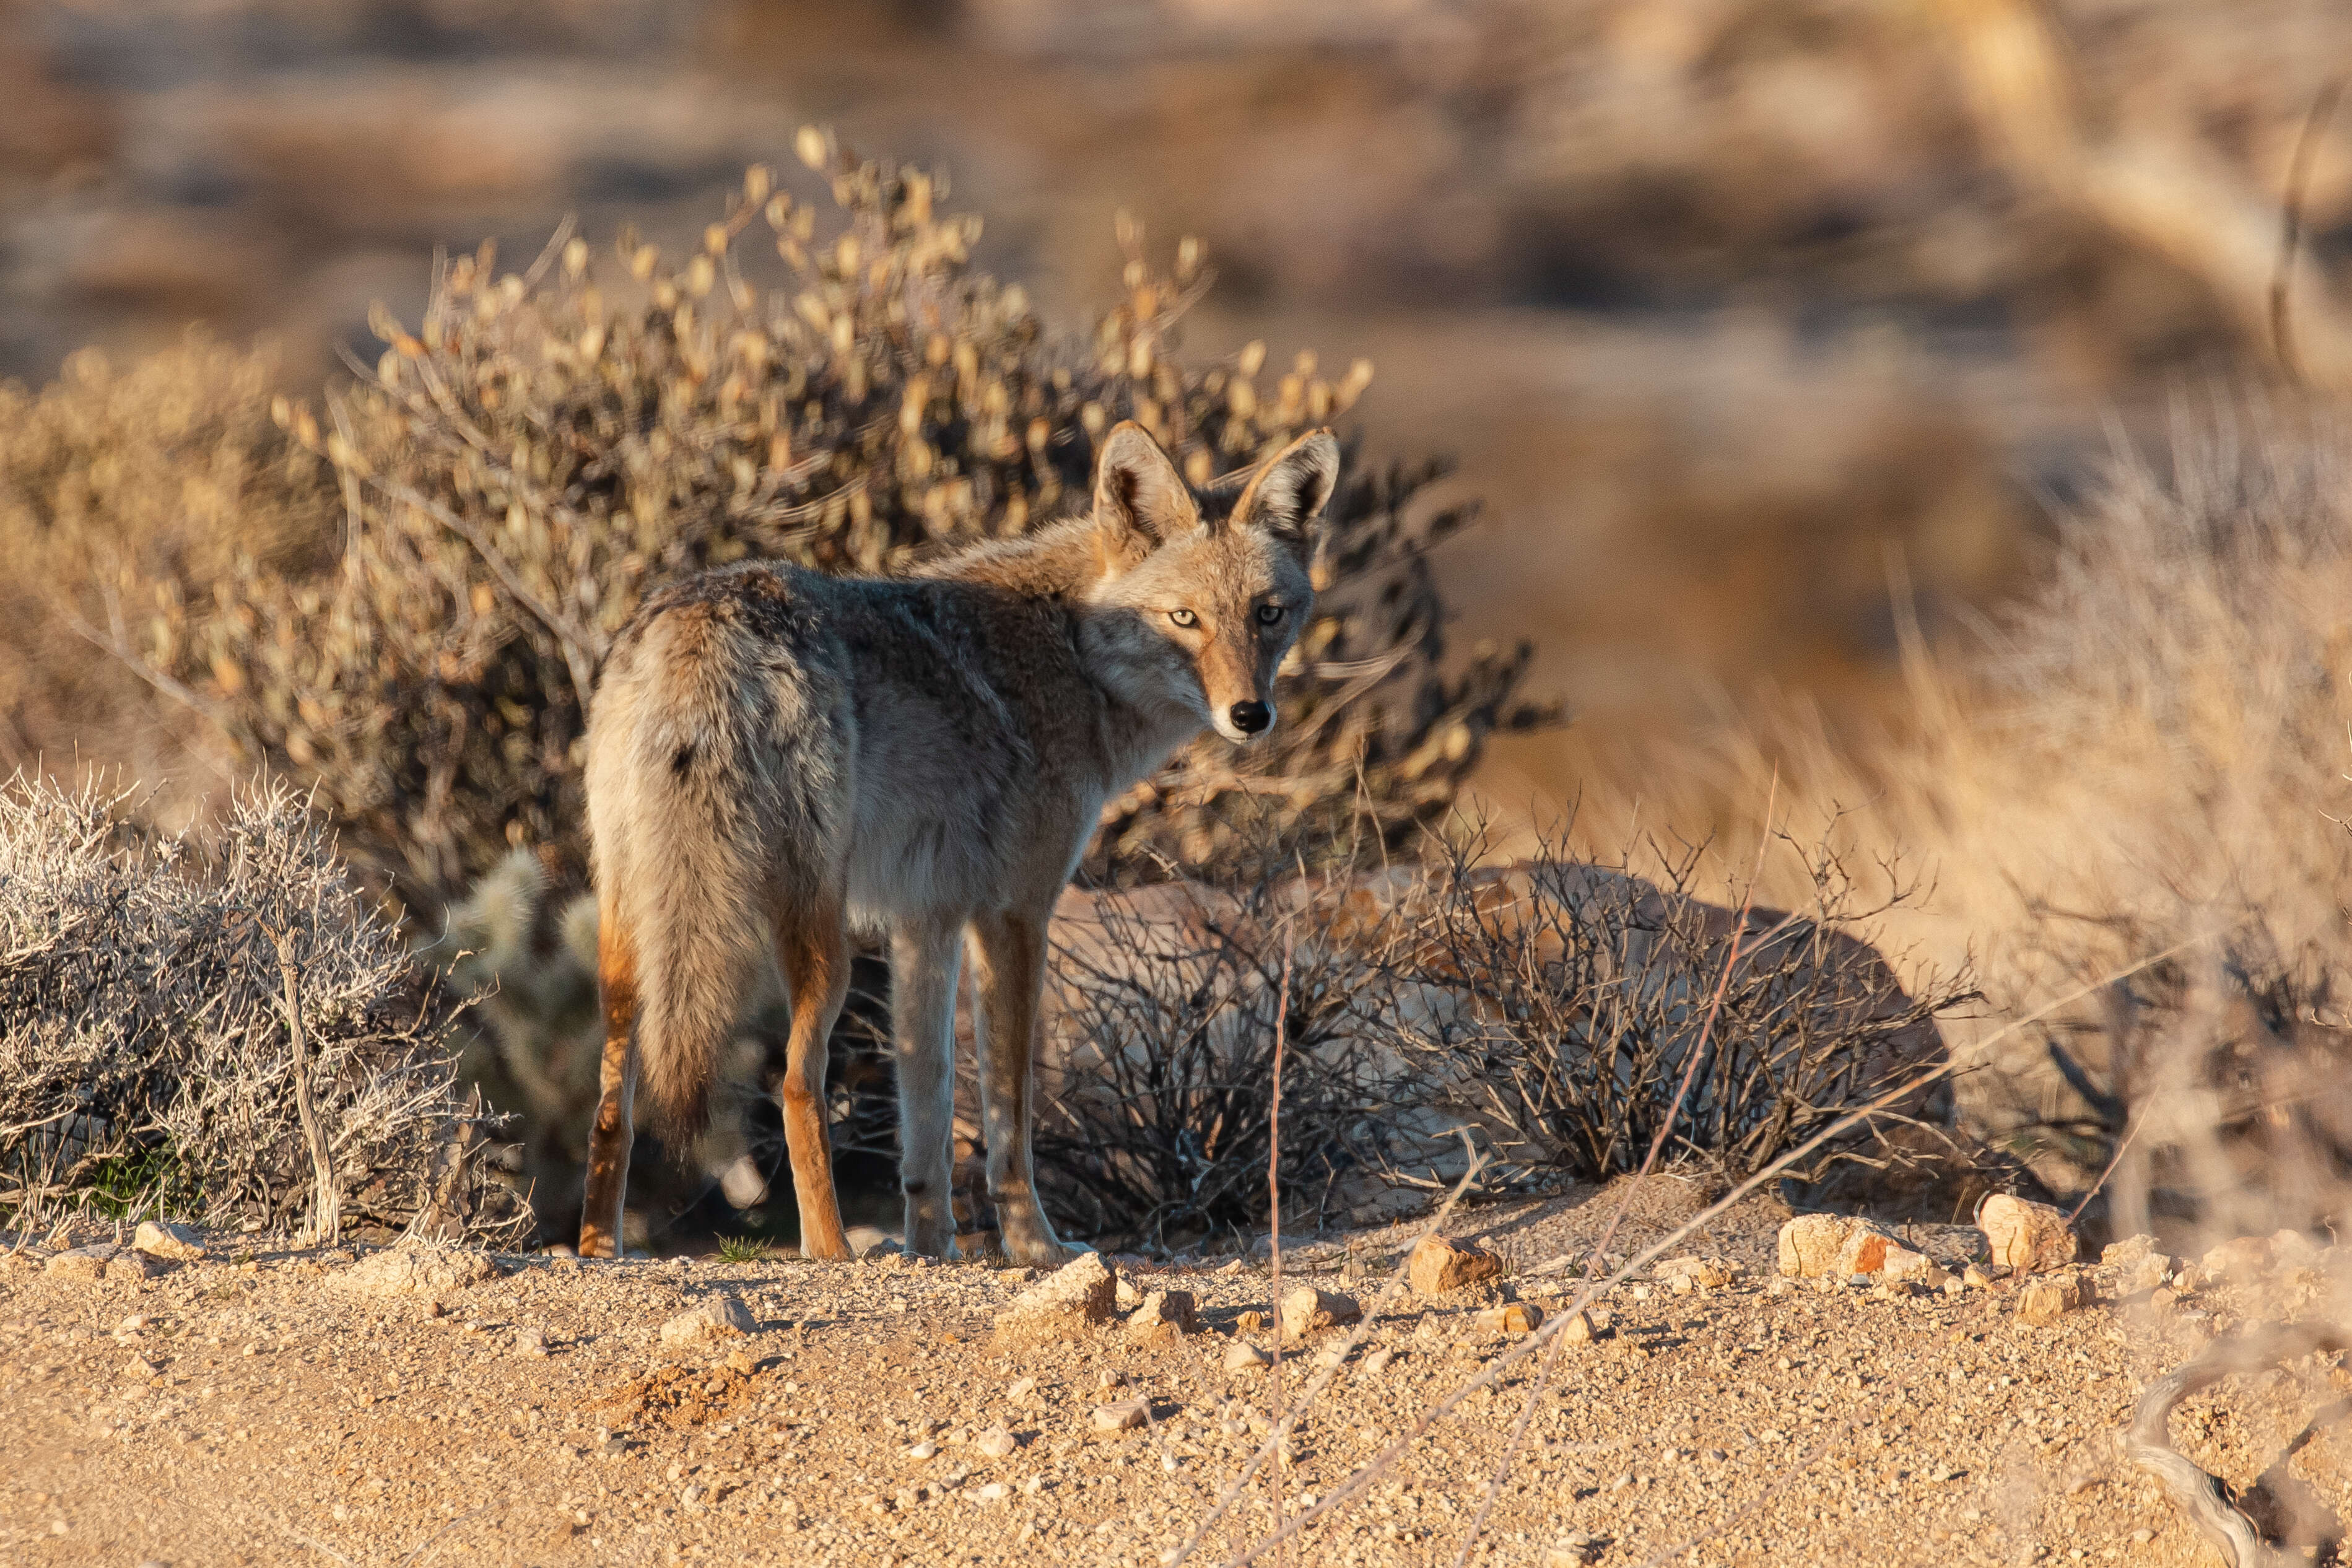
2130 790
1542 1015
413 618
147 1052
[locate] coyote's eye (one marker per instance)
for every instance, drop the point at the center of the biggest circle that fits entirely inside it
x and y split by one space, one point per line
1268 615
1184 617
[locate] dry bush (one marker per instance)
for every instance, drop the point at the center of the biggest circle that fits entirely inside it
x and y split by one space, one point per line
548 446
1156 1080
1548 1009
135 491
144 1048
2131 787
1576 995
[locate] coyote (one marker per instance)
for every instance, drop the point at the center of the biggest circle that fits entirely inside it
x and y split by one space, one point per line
778 755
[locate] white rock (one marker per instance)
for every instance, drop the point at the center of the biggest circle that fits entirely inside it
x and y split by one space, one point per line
1077 1296
718 1318
996 1442
1244 1356
1123 1415
177 1243
416 1268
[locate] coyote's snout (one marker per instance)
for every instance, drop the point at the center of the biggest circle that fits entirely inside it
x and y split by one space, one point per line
775 755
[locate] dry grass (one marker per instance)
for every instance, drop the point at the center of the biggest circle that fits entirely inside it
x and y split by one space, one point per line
2143 755
146 1064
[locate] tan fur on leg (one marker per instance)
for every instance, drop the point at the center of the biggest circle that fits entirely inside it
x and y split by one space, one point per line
610 1136
815 954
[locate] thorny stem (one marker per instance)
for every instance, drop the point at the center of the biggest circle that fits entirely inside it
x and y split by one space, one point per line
1355 1486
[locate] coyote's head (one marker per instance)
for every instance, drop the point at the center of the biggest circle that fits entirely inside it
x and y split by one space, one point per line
1205 590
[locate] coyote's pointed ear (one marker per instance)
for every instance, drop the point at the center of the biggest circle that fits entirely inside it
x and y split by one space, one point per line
1138 491
1287 495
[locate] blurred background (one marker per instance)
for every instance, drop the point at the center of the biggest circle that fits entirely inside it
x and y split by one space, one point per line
1735 312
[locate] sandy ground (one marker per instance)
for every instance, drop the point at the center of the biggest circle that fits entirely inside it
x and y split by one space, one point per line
269 1411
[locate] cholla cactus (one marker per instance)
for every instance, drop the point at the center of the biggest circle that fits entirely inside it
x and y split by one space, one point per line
548 446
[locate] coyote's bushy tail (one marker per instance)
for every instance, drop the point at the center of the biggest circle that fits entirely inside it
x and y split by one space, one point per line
693 801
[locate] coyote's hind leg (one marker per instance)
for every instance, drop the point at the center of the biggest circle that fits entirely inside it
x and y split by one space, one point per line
812 946
610 1134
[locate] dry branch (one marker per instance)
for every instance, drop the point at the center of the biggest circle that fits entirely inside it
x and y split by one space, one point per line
2203 1497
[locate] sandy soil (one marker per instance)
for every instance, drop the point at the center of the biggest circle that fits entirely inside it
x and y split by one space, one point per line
267 1410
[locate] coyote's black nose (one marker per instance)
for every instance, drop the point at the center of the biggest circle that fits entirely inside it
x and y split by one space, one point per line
1249 718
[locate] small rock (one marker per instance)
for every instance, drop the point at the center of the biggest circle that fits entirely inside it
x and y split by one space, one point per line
2239 1261
1438 1266
1865 1251
1903 1265
139 1369
1376 1361
174 1243
1809 1244
1163 1315
1308 1308
128 1264
1976 1278
2027 1237
2145 1273
718 1318
2130 1249
996 1442
740 1360
416 1268
530 1341
1703 1273
1122 1416
925 1450
2046 1299
994 1491
1581 1330
1019 1390
1076 1297
1244 1356
1251 1323
1574 1550
87 1263
1129 1296
1227 1271
1514 1318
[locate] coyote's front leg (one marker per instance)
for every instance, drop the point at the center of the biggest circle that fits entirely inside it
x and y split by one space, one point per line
924 957
1010 962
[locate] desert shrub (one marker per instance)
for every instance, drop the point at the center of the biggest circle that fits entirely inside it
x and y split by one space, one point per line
2129 786
144 1044
1546 1009
514 475
1574 996
1154 1122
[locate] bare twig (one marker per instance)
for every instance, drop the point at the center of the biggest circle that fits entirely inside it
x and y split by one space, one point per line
1599 1249
1314 1390
2206 1501
327 1194
1274 1209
